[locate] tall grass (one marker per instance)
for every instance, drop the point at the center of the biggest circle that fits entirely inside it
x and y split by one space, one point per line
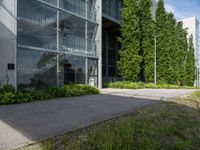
167 126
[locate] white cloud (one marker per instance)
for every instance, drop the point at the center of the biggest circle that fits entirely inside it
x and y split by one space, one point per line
171 8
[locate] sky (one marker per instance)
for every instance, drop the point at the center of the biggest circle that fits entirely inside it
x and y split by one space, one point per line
183 8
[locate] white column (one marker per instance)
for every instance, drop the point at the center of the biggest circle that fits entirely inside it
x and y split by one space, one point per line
99 41
86 41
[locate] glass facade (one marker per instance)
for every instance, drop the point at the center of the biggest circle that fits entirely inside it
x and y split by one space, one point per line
56 42
112 9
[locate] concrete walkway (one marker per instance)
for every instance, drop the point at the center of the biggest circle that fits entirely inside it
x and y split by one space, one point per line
25 123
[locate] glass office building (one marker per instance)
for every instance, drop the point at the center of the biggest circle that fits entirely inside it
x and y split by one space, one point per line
55 42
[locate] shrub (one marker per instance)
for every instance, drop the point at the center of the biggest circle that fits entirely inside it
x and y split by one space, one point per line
8 88
151 86
23 97
139 85
7 98
28 95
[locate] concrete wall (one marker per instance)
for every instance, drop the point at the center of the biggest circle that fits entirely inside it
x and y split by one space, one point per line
99 41
8 24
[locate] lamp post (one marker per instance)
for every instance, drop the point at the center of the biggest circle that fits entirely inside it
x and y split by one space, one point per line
155 59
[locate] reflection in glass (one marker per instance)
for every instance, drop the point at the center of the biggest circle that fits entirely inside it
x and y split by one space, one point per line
75 6
93 72
72 69
72 35
36 25
54 2
36 68
37 36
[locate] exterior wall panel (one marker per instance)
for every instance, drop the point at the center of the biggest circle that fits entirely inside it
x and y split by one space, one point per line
8 40
112 9
58 42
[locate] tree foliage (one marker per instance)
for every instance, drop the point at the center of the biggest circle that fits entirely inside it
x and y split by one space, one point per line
175 55
137 44
129 64
190 63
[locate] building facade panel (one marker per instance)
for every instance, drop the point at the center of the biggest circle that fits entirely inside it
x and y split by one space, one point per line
57 43
112 9
8 41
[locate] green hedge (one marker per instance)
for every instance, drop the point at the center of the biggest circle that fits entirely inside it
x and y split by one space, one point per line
8 96
141 85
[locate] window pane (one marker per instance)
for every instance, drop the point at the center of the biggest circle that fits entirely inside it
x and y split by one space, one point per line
75 6
72 35
92 29
36 25
54 2
72 69
36 68
91 10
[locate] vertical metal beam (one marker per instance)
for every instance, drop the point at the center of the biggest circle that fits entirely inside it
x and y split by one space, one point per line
86 41
107 43
58 46
16 51
86 71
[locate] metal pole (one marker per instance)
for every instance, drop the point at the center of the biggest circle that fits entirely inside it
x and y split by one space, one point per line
155 59
86 42
58 45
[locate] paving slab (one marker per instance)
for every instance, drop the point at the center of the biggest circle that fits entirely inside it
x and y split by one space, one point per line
24 123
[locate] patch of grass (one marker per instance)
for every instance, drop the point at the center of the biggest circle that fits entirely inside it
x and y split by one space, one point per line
140 85
9 96
171 125
195 95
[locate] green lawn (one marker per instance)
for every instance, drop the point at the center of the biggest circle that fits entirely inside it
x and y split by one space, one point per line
173 125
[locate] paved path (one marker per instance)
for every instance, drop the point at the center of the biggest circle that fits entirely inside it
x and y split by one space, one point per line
24 123
155 94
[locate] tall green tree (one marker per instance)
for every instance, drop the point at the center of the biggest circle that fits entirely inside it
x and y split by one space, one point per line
175 55
170 51
180 55
190 64
136 57
147 41
130 60
171 47
161 32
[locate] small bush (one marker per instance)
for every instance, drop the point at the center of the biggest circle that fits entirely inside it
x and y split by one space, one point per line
28 95
151 86
7 98
8 88
23 97
140 85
